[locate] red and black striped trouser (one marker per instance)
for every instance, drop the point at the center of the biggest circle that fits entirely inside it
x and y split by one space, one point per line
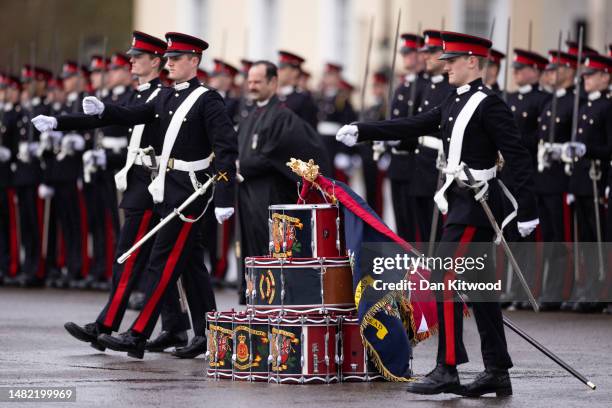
176 251
126 275
460 241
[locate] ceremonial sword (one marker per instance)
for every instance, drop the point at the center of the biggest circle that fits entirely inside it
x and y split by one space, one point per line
515 266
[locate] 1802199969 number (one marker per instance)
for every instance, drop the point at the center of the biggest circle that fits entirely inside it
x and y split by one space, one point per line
9 394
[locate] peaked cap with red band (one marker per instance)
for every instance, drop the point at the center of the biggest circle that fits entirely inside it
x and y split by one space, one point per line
524 58
289 59
179 44
411 42
459 44
432 40
145 43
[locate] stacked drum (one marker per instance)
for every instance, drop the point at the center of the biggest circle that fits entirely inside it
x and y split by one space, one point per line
300 324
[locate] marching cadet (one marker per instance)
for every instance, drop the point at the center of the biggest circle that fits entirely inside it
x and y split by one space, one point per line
552 182
587 181
373 175
300 102
493 68
222 80
526 104
196 128
334 109
10 124
146 62
27 175
406 99
425 155
486 126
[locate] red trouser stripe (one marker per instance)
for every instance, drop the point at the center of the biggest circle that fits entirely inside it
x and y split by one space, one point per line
449 304
84 234
127 271
175 254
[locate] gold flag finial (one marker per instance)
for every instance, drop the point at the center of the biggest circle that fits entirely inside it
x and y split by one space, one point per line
309 171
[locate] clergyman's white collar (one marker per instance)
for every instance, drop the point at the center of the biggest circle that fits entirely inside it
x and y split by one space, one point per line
261 104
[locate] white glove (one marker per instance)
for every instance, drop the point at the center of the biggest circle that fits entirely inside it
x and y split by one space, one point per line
527 227
348 135
44 123
5 154
607 191
342 161
92 106
73 141
572 151
223 213
384 162
100 157
569 199
45 191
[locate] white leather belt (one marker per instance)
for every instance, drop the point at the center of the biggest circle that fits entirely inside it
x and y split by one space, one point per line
431 142
479 175
182 165
326 128
114 143
399 152
142 160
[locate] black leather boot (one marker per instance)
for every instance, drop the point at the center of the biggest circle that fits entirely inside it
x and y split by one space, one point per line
129 341
167 339
443 378
88 333
488 382
195 348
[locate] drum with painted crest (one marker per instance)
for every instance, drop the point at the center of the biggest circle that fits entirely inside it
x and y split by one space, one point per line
251 348
306 231
220 344
354 362
279 285
303 349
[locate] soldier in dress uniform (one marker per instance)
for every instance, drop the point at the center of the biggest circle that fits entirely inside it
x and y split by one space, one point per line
304 81
334 109
493 69
300 102
373 174
222 79
186 160
425 155
406 99
526 104
552 183
10 125
489 127
63 168
594 145
27 175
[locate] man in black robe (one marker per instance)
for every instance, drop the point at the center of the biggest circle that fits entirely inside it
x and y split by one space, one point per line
268 138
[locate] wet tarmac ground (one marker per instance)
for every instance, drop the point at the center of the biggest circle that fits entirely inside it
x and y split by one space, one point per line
36 351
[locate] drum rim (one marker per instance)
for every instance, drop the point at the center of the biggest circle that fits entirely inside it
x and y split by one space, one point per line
301 206
293 262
